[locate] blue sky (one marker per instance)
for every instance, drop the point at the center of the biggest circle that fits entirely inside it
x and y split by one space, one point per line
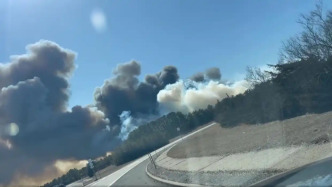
191 34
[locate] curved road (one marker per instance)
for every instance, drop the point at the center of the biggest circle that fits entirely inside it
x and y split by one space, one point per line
138 177
134 174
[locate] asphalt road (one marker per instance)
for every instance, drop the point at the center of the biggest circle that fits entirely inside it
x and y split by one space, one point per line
134 174
138 177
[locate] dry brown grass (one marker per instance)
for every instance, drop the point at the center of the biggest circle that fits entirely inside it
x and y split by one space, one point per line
216 140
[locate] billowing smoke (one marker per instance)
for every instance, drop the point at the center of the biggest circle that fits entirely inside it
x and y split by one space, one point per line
35 127
198 77
123 94
130 123
53 171
48 62
213 74
127 124
180 97
210 74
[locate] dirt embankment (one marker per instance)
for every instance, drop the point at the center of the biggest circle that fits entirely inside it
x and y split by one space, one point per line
216 140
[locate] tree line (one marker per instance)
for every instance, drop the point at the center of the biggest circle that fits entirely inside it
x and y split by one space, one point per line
300 83
143 140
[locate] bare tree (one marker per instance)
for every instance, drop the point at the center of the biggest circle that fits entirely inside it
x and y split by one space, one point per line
315 41
256 76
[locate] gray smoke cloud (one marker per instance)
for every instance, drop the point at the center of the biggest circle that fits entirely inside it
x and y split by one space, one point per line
198 77
210 74
126 75
124 92
213 74
36 129
47 61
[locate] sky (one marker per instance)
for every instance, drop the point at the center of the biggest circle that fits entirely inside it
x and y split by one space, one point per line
191 35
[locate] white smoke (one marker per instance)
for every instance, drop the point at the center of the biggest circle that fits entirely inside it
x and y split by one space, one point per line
108 128
182 98
128 125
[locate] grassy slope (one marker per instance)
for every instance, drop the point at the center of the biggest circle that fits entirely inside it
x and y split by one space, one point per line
307 129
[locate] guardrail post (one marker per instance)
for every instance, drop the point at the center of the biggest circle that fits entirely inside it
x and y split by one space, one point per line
151 159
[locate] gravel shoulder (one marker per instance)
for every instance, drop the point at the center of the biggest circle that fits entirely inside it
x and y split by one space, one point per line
216 140
233 178
248 153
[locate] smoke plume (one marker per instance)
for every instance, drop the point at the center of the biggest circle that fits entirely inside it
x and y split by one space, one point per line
123 94
213 74
183 98
35 127
127 125
210 74
198 77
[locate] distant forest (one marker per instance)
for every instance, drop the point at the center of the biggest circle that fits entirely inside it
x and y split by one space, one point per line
300 83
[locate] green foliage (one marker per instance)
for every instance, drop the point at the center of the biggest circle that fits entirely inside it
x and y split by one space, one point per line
302 85
71 176
103 163
296 88
141 141
90 171
155 134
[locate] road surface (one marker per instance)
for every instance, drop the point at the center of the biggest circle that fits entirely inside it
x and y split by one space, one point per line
138 177
134 173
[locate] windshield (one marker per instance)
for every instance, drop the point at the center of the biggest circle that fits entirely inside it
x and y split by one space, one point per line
165 93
